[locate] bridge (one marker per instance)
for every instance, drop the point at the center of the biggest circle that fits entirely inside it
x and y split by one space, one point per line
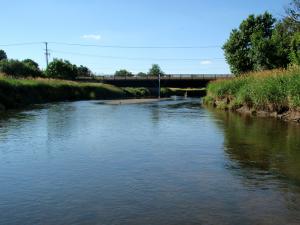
169 80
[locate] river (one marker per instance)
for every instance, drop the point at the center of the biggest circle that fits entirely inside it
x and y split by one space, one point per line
161 163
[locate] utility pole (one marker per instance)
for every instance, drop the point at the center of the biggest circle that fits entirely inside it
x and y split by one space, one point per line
47 54
159 85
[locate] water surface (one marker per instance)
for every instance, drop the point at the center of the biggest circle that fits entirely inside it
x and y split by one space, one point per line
160 163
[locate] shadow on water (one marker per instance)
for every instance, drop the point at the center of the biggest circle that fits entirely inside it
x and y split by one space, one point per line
261 146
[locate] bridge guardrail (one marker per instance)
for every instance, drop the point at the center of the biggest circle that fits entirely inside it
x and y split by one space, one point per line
165 77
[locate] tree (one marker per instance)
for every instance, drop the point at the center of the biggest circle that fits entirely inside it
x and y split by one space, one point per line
248 47
281 39
260 43
295 49
293 13
141 74
31 63
123 73
19 68
62 69
155 70
3 55
83 71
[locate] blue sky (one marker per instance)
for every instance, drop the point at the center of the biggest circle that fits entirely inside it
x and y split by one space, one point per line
128 23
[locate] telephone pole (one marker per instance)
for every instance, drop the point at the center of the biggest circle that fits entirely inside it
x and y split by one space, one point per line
159 85
47 54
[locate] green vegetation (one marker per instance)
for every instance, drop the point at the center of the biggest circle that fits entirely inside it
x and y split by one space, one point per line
15 93
20 92
138 92
123 73
190 92
256 53
63 69
141 74
273 91
18 68
3 55
262 43
58 69
155 71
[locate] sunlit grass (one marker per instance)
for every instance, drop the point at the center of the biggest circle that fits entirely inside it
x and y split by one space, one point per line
268 90
19 92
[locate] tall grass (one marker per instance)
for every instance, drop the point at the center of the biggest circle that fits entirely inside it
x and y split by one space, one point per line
273 90
19 92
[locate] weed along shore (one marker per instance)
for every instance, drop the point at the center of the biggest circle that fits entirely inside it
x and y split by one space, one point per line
274 93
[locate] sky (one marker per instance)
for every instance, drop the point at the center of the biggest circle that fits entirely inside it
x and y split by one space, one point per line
128 34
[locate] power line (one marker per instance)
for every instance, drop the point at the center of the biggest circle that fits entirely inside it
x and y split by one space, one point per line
114 46
21 44
136 58
136 47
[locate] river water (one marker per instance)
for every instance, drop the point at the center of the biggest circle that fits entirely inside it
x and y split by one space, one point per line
162 163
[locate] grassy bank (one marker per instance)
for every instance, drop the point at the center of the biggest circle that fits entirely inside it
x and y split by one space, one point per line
15 93
274 92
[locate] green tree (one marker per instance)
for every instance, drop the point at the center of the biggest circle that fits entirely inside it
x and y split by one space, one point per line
123 73
250 47
83 71
141 74
3 55
31 63
155 70
19 68
293 13
62 69
281 40
295 49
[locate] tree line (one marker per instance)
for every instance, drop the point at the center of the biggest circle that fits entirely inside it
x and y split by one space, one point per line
263 42
155 71
59 69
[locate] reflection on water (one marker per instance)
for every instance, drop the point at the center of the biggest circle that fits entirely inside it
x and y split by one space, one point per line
265 145
168 162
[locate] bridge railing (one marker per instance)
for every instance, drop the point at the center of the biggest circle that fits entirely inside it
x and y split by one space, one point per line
165 77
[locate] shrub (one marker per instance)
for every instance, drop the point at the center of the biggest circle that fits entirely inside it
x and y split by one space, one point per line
62 69
18 68
3 55
83 71
123 73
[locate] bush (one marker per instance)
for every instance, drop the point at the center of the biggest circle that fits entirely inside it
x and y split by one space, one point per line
123 73
18 68
83 71
3 55
62 69
141 74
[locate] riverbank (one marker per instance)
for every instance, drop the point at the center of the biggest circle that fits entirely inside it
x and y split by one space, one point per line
274 93
17 93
